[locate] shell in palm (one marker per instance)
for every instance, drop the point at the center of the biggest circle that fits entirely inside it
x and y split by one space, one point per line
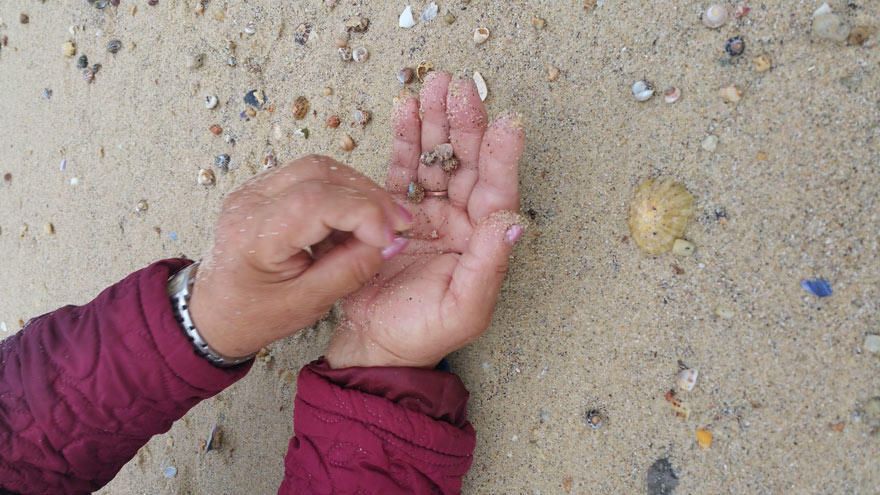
659 213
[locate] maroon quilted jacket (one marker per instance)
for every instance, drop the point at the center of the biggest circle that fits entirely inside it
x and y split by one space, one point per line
84 387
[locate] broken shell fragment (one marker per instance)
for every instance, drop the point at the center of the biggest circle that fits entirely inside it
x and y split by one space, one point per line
671 94
211 102
406 19
682 248
830 27
69 49
710 143
642 90
716 16
255 98
762 63
678 406
552 73
357 24
423 69
332 121
730 94
345 54
482 89
687 379
704 438
206 177
430 12
659 213
360 117
481 34
300 107
859 35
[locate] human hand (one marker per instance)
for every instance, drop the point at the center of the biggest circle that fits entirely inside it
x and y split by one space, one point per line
440 293
260 283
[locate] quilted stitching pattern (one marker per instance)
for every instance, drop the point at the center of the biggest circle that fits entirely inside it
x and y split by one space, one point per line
83 388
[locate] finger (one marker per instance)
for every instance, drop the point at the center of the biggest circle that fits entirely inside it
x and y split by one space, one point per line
407 144
341 271
477 278
312 211
467 123
497 186
435 127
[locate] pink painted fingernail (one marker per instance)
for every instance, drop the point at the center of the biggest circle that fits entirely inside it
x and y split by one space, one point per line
397 246
513 234
405 214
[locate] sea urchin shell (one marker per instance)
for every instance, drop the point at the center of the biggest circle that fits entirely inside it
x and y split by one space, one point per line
659 213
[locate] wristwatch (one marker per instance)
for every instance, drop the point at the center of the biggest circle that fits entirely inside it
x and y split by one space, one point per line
180 290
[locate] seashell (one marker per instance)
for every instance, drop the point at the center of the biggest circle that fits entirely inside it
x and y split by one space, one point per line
730 94
360 54
671 94
678 406
206 177
269 161
687 379
346 143
113 46
357 24
682 248
449 18
360 117
735 46
859 35
341 41
88 75
716 16
482 89
82 62
642 90
49 228
327 91
594 419
250 29
211 102
216 130
169 472
552 73
422 70
538 22
405 75
300 107
345 54
710 143
406 19
762 63
332 121
830 27
255 98
444 151
704 438
141 206
68 49
301 33
430 12
481 34
659 213
222 162
302 132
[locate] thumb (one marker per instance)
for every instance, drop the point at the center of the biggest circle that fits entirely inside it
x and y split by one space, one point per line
477 279
342 270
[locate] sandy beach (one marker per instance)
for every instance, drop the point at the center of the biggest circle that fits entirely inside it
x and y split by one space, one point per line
101 180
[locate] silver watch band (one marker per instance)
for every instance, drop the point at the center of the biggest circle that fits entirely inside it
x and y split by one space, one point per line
180 290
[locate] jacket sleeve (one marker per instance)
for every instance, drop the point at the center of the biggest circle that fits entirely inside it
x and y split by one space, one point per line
84 387
378 431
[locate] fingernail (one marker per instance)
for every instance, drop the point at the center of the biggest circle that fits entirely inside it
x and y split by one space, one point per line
396 247
405 215
513 234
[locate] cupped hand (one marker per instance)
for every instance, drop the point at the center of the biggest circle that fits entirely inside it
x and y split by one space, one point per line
261 282
440 293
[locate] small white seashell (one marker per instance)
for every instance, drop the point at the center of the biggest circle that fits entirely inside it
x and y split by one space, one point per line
360 54
481 34
406 20
74 181
709 143
687 379
63 165
482 89
250 29
211 102
822 10
716 16
671 95
430 12
682 247
642 90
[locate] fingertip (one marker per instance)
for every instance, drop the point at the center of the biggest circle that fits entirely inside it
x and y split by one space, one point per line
463 105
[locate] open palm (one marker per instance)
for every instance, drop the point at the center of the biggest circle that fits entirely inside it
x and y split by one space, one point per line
440 292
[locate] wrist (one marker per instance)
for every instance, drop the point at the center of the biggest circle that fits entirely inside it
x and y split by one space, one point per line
216 328
351 347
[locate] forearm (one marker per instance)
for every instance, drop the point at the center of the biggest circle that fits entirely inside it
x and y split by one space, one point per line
378 430
83 388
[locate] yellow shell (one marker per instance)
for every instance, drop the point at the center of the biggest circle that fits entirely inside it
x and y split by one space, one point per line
660 210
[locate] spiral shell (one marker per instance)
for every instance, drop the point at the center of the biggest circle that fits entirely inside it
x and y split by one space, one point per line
659 213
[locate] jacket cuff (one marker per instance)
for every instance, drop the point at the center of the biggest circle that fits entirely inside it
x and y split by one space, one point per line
419 396
174 346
